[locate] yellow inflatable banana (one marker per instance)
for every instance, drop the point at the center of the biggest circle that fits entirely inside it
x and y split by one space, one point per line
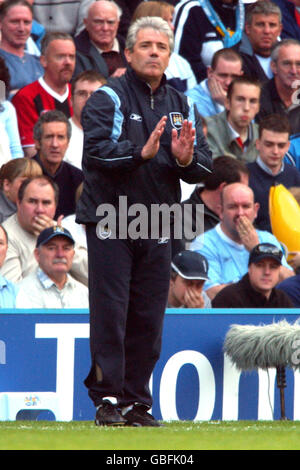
285 217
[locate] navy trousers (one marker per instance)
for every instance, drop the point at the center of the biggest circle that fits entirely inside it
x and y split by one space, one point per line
128 290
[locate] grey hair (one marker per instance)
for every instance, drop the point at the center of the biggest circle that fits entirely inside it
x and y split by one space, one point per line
118 8
280 44
50 116
263 8
152 22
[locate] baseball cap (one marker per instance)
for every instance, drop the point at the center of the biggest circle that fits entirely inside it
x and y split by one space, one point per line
190 265
46 235
265 250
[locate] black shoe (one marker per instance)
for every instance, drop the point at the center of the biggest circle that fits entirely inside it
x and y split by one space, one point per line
138 416
108 415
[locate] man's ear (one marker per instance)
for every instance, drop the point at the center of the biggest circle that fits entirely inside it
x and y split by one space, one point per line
256 208
227 104
37 144
127 54
273 67
43 61
36 254
209 72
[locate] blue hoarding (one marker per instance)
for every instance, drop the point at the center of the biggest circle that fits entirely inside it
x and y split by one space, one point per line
44 358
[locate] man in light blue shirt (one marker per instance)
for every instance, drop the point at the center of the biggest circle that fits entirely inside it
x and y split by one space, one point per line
15 24
210 94
8 291
227 246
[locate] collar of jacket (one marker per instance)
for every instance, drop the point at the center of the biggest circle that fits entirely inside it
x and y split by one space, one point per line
142 84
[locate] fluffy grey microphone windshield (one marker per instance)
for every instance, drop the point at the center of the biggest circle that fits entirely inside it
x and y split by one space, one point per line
250 346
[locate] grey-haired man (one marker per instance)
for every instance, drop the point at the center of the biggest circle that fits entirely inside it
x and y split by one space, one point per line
140 137
50 285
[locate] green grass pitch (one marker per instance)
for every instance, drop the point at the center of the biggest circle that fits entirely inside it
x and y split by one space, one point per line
175 435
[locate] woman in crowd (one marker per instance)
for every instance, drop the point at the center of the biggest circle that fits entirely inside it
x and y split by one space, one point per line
8 119
12 174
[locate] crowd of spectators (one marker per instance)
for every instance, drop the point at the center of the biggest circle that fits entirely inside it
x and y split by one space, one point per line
237 62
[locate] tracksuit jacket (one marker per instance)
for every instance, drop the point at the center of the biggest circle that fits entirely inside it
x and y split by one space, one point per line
117 121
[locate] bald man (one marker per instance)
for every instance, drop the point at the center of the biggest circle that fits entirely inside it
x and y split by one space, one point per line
98 46
227 246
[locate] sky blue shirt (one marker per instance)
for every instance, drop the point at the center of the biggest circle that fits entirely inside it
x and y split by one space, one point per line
8 293
201 96
227 260
23 70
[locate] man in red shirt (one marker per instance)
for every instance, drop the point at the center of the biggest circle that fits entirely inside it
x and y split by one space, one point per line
52 91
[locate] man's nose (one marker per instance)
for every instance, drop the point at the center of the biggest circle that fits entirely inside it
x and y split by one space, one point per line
266 270
39 207
246 105
240 210
154 50
60 252
267 28
54 142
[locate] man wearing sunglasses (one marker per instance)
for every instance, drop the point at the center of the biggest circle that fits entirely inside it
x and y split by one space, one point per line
257 287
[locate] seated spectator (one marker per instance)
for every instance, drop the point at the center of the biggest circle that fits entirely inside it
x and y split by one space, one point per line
188 275
36 206
226 247
64 15
203 28
179 72
51 285
233 132
52 91
210 94
15 25
52 134
293 155
82 88
12 174
280 94
290 18
207 195
8 116
259 287
291 287
98 47
262 31
269 168
8 290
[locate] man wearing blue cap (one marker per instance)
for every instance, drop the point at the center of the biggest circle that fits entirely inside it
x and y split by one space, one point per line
188 275
50 285
256 288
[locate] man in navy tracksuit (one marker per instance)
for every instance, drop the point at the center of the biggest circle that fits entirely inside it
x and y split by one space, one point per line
133 150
